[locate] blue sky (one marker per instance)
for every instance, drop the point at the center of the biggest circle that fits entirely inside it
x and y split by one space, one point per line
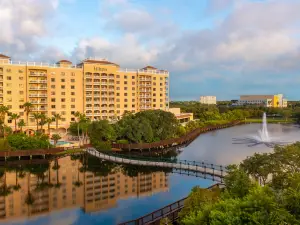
211 47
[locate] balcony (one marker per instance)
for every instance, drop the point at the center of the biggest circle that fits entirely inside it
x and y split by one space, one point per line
145 96
145 90
88 75
145 107
96 75
38 81
39 109
38 88
36 74
39 102
1 88
145 85
87 108
145 79
38 95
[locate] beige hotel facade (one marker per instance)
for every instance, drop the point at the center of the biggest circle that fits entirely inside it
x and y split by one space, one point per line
96 87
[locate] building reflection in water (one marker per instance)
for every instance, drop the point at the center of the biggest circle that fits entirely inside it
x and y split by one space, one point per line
32 190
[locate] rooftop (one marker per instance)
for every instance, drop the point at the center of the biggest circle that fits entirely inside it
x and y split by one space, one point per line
4 56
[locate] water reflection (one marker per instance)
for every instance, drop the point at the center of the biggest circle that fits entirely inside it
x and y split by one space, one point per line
72 182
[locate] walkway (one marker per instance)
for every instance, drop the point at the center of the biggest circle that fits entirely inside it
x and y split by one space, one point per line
210 169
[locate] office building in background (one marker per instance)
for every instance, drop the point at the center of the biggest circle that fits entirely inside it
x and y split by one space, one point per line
210 100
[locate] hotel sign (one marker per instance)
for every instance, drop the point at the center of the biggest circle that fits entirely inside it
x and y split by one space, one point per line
99 69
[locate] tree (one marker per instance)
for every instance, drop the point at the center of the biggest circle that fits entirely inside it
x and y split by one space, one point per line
3 111
49 120
36 116
55 138
101 130
21 124
27 109
286 114
14 116
43 119
56 118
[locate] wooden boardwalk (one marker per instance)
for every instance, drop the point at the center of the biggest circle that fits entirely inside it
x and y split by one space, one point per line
212 170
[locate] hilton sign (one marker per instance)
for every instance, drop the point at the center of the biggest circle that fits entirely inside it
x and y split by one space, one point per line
99 69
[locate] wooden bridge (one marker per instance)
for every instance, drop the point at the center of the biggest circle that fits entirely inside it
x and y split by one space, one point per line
202 167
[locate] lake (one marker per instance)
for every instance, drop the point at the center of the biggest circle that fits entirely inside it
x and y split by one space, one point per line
85 190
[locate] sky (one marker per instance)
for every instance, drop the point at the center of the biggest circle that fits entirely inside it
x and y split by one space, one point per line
210 47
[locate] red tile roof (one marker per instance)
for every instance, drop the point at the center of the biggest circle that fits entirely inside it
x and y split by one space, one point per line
4 56
64 61
150 68
99 61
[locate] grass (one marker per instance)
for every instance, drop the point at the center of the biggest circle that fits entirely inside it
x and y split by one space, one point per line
271 120
70 151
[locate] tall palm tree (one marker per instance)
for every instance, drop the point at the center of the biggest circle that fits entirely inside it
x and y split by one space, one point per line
3 111
21 124
49 120
14 116
27 109
57 117
42 122
36 116
81 117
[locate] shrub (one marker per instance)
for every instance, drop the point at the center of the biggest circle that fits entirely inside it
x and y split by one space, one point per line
22 142
4 146
122 141
101 145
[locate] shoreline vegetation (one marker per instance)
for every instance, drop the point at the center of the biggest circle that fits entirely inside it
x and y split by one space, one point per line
262 189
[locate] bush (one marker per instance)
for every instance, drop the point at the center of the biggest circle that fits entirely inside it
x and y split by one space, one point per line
22 142
4 146
122 141
101 145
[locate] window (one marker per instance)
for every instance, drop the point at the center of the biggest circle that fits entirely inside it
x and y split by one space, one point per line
63 100
125 82
72 99
133 100
154 105
72 80
118 94
21 92
125 94
161 78
154 89
63 93
21 100
118 100
21 113
118 88
52 99
63 86
9 100
118 105
72 119
161 100
133 94
154 83
154 100
133 77
72 87
72 74
133 88
125 88
63 119
9 78
63 107
161 89
133 106
21 106
52 92
52 79
72 93
118 82
125 77
125 100
9 92
62 73
52 106
9 85
72 112
21 78
125 106
160 95
161 105
133 83
52 86
118 76
8 70
154 94
9 121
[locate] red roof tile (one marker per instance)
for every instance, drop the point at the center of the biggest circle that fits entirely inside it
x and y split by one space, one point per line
4 56
64 61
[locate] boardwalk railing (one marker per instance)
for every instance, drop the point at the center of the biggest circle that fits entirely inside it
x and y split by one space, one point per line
174 141
170 211
30 152
202 167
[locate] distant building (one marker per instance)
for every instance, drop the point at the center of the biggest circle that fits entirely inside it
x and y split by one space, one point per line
210 100
181 117
276 101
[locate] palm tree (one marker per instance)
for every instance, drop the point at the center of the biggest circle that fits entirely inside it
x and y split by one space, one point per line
49 121
80 118
57 117
14 116
21 124
27 109
36 116
3 111
42 122
55 138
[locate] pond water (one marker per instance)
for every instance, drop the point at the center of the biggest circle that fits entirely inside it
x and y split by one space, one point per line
84 190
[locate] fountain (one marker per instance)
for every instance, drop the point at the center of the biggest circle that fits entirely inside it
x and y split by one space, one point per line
263 137
263 133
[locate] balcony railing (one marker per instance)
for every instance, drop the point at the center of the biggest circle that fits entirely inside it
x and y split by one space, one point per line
144 71
145 90
145 96
38 81
37 88
145 79
37 95
35 74
38 64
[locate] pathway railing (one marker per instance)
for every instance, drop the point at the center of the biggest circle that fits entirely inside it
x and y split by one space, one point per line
170 211
201 167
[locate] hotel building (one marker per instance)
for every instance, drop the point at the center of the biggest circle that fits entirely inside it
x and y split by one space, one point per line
210 100
276 101
96 87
